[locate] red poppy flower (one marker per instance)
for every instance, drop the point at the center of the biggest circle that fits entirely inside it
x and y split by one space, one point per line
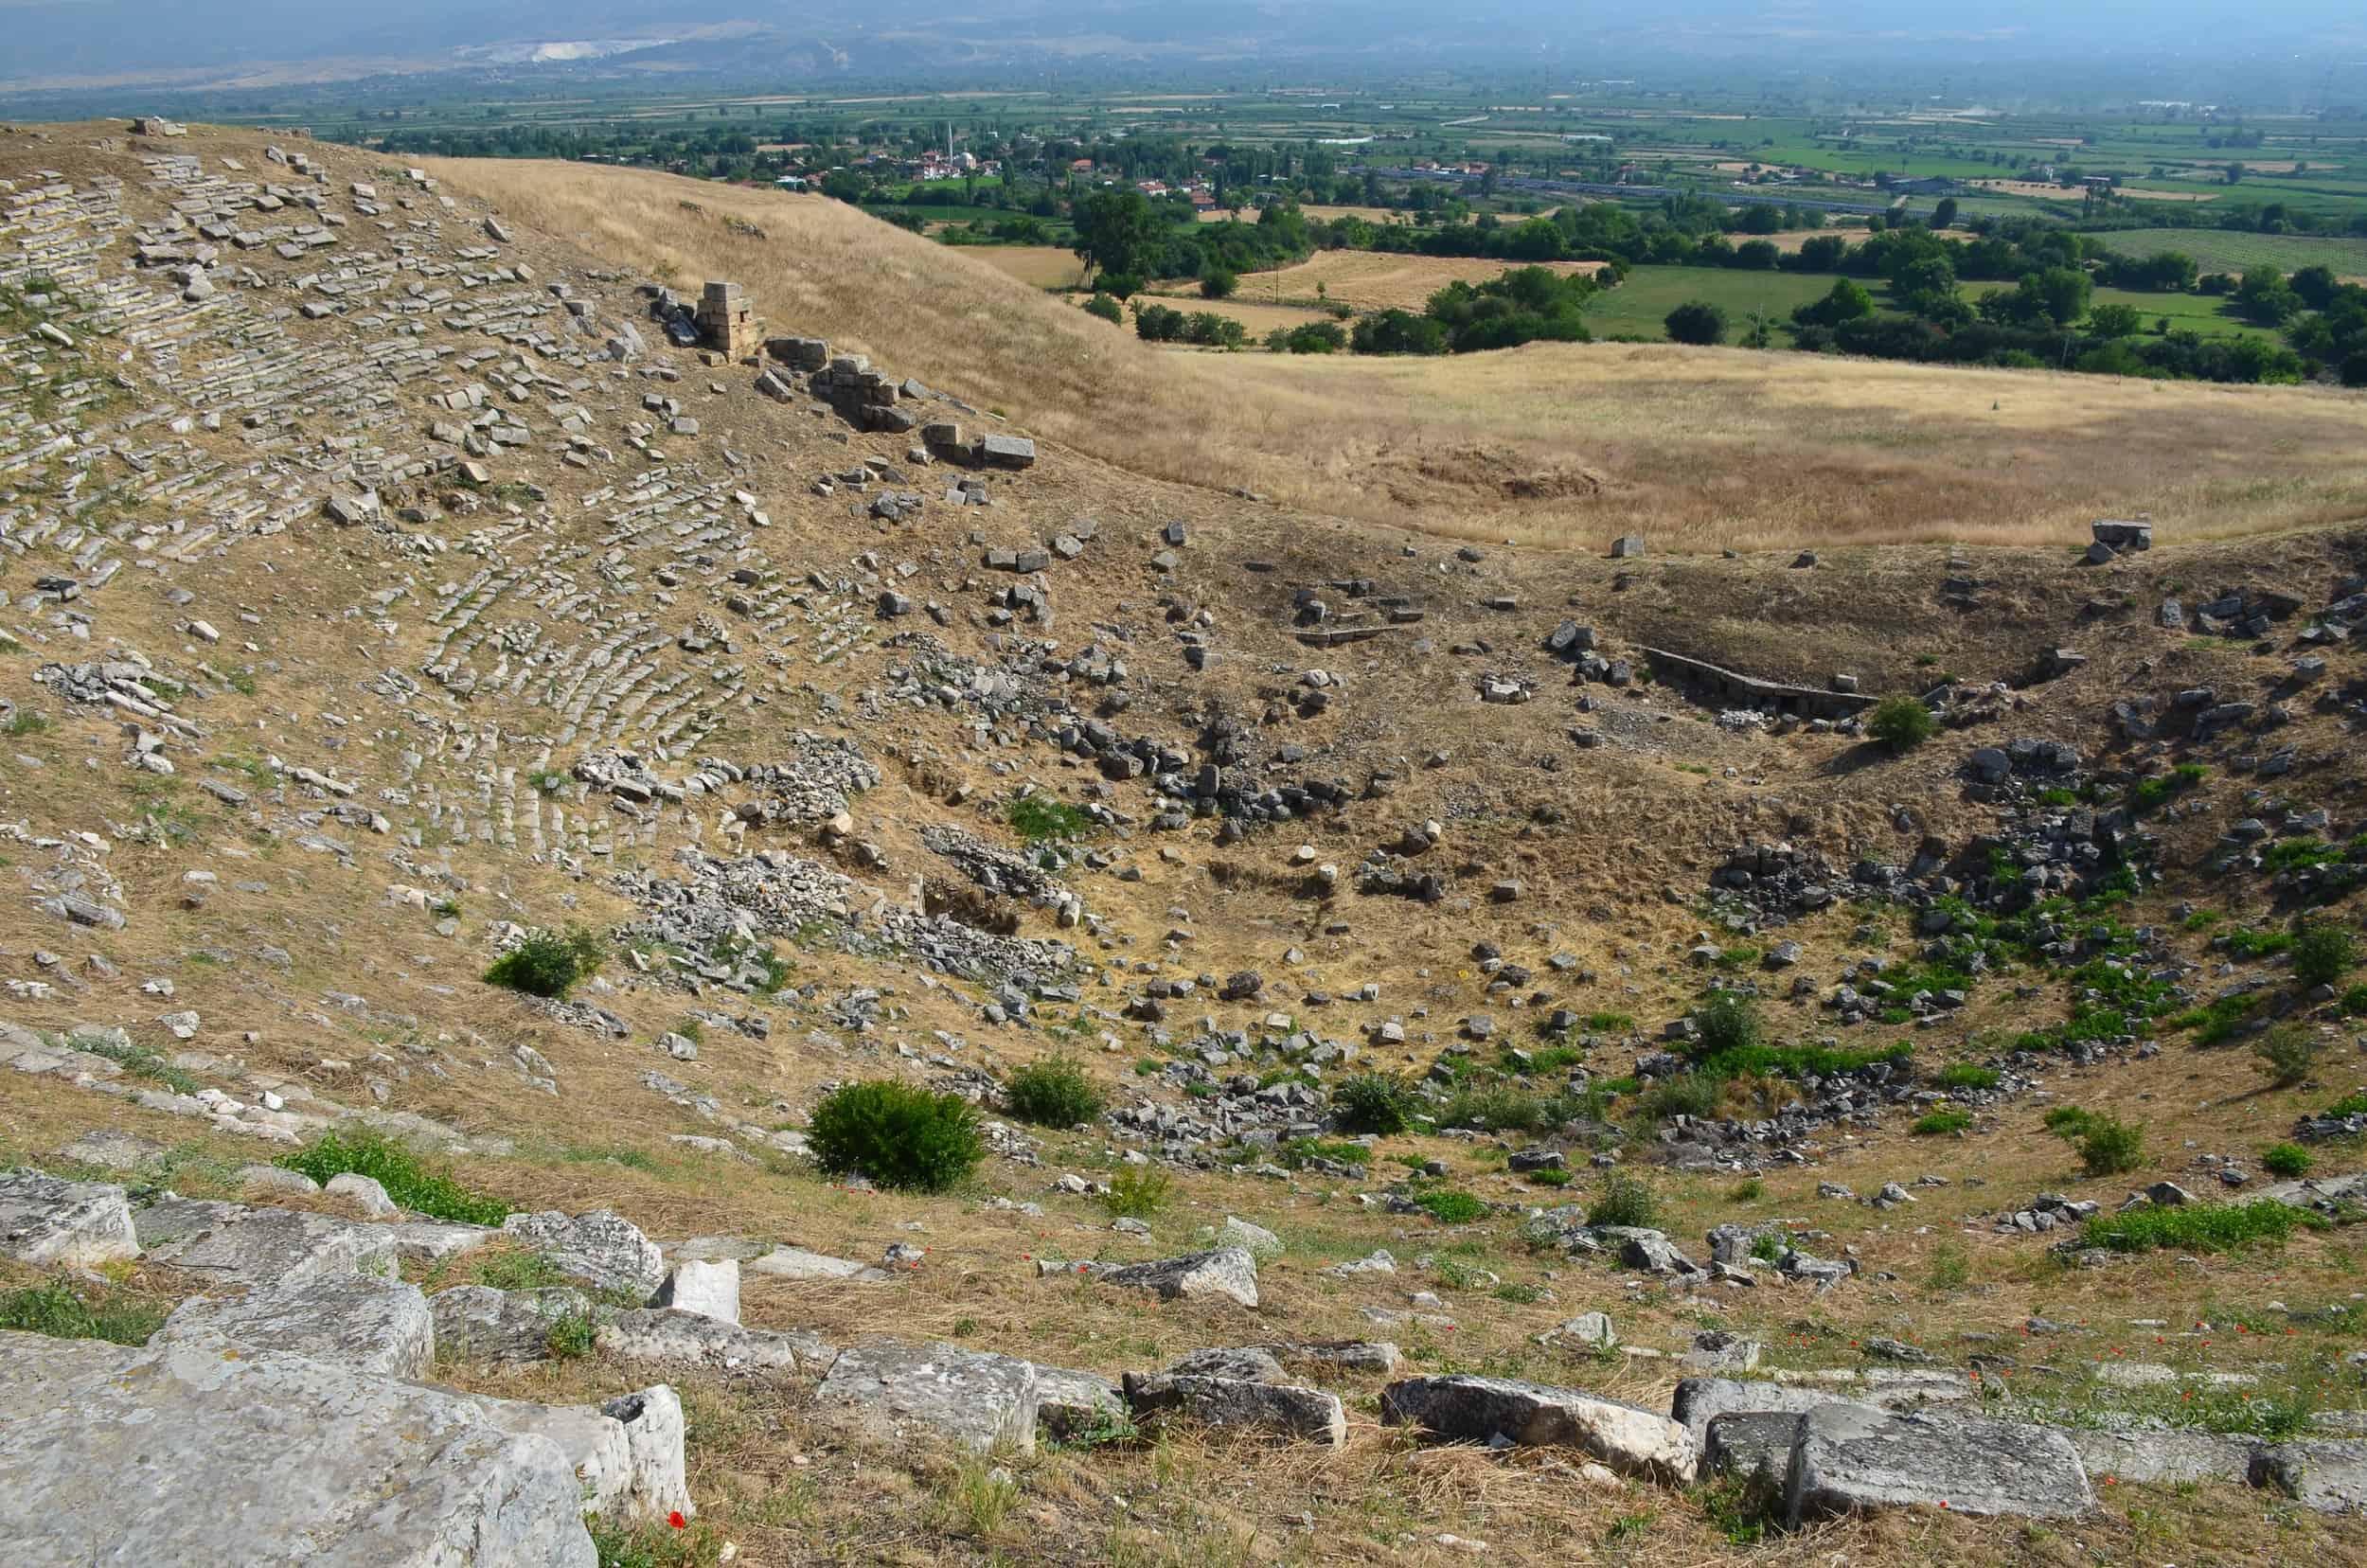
676 1520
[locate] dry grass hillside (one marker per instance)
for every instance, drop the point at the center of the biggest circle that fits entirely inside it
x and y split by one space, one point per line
1562 446
384 585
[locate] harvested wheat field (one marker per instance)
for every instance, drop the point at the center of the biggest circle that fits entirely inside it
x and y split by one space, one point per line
1370 281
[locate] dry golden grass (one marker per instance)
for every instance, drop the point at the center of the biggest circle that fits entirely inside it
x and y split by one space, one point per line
1038 266
1554 445
1372 281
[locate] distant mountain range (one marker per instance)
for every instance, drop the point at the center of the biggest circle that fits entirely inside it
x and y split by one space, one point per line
233 44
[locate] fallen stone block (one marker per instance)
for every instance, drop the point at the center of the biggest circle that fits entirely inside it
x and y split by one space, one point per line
708 1287
1230 1273
1238 1404
1072 1406
599 1249
897 1390
476 1322
663 1336
1466 1408
360 1322
204 1452
2162 1458
627 1453
73 1224
233 1244
2328 1475
1754 1445
1851 1459
798 1263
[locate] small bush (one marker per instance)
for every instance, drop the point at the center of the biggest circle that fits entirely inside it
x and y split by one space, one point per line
1053 1092
1296 1155
1106 307
1137 1192
1450 1207
2287 1053
1552 1176
1696 322
1036 818
2109 1146
1217 284
1730 1022
1902 723
1941 1123
2196 1227
1748 1190
2285 1159
414 1187
899 1136
2323 954
1686 1094
1504 1109
2354 1002
2066 1121
512 1267
569 1336
1967 1075
1624 1200
2349 1105
1951 1270
1373 1102
548 963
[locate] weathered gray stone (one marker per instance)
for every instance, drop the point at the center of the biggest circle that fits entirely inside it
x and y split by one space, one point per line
1071 1405
199 1452
477 1323
709 1287
1249 1364
1238 1405
1749 1445
600 1249
364 1192
2328 1475
111 1150
1466 1408
663 1336
798 1263
233 1244
77 1224
361 1322
627 1453
893 1389
2162 1458
1700 1400
1849 1458
1230 1273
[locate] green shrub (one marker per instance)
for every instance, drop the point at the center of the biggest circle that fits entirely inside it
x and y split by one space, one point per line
1037 817
2066 1121
2323 954
55 1310
569 1336
1052 1092
2287 1053
2349 1105
899 1136
1552 1176
1295 1154
1730 1022
1941 1123
1450 1207
1106 307
1967 1075
1624 1200
1373 1102
1951 1270
2354 1002
2194 1227
1686 1094
1504 1109
514 1268
413 1186
1137 1192
1902 722
1748 1190
2109 1146
2285 1159
548 963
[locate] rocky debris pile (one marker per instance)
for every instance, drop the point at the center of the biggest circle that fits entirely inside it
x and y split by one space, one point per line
726 903
285 1422
819 781
998 871
2045 1212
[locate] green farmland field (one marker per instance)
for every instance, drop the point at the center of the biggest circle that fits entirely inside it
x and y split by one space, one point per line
1638 306
2233 250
